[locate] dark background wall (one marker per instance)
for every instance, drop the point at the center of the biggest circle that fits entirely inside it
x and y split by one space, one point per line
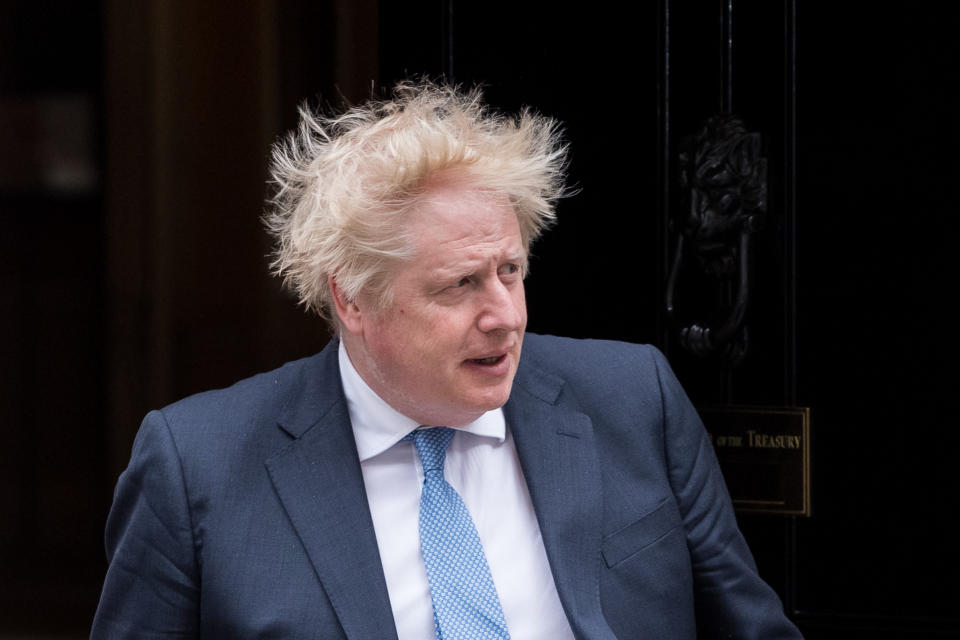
134 140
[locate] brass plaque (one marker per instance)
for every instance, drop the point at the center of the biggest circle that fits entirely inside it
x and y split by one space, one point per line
764 453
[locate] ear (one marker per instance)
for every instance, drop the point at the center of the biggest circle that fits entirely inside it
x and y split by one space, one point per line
351 317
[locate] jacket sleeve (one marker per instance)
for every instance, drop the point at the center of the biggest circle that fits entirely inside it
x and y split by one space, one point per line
152 584
732 601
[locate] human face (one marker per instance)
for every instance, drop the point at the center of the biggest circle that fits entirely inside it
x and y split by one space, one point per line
446 349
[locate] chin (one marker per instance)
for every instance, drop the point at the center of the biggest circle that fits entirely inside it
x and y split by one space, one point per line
492 400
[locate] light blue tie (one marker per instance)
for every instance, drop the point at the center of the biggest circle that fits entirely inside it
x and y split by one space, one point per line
465 602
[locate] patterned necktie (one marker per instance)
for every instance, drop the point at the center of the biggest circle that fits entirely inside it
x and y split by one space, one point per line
465 602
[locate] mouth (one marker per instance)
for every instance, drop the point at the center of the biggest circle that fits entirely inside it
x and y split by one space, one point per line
490 360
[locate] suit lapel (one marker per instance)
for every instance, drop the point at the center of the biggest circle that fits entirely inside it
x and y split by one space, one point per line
319 482
558 455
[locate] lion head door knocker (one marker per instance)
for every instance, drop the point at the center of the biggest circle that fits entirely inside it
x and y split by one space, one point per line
724 181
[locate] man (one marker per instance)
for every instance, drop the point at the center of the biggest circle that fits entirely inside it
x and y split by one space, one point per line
433 472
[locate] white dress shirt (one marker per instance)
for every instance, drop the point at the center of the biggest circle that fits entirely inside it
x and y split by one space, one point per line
482 465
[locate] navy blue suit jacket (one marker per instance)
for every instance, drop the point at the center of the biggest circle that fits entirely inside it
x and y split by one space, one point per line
243 513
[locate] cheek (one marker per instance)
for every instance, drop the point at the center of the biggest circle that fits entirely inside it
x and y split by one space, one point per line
414 341
386 343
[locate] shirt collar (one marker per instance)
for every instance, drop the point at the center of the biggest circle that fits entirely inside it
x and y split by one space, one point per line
377 426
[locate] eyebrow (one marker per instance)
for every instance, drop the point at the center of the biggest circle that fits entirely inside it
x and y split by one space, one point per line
467 267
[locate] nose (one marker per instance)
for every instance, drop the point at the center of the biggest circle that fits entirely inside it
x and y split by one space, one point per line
504 307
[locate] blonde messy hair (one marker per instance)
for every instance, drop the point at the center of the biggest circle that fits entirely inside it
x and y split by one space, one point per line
345 183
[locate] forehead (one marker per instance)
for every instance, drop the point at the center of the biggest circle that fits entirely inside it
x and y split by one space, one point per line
454 197
455 220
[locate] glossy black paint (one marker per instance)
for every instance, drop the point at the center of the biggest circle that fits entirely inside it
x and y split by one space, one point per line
851 271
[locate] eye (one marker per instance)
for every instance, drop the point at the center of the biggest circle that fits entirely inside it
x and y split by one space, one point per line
509 269
462 282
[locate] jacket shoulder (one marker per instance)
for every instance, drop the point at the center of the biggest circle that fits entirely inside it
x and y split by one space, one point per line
573 357
256 391
244 408
599 373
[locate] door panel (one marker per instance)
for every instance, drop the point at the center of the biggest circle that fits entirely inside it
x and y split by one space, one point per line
852 271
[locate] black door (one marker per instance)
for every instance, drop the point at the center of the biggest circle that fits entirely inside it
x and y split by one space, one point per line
851 257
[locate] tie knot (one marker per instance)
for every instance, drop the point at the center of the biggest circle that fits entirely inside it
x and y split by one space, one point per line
432 446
